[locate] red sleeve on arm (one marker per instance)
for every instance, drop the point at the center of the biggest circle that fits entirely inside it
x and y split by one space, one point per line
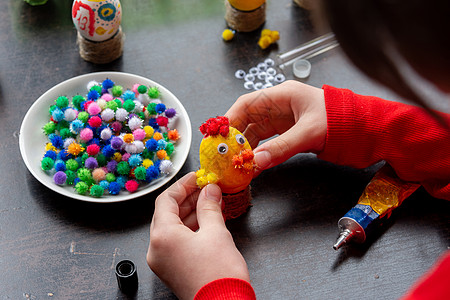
435 284
226 289
363 130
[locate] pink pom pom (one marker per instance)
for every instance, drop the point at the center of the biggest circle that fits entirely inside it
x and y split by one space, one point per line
139 134
95 121
135 87
131 186
93 149
86 134
94 109
107 97
126 156
98 174
162 121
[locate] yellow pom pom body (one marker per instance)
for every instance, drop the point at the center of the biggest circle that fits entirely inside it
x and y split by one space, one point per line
117 157
219 166
264 42
204 178
246 5
147 163
149 131
227 35
49 146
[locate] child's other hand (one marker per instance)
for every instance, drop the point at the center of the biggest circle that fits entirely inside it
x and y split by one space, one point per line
189 243
293 110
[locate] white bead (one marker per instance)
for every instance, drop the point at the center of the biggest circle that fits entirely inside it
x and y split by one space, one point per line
239 74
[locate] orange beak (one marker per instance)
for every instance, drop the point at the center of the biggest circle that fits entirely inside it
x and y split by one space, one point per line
244 160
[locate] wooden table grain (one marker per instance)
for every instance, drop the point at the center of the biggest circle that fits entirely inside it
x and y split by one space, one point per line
53 247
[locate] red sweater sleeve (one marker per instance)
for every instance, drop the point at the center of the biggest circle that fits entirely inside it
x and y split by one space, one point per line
226 289
363 130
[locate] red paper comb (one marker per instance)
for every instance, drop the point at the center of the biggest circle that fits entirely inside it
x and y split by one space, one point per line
215 126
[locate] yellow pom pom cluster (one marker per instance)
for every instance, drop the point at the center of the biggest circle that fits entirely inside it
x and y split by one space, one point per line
268 37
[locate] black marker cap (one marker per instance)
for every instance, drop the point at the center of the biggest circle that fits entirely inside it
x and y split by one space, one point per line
126 275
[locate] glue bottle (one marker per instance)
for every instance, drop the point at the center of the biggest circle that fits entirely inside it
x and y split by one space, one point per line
385 192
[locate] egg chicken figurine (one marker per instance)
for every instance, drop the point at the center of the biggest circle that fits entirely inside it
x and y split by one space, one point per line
226 159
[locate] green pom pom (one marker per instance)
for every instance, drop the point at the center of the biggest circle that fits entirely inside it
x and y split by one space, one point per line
84 156
147 154
141 115
123 168
71 164
129 105
65 133
110 177
84 174
117 91
142 89
140 173
83 116
81 187
166 136
118 102
101 160
96 88
112 105
153 92
70 176
96 191
49 128
76 101
62 102
47 163
169 148
62 124
151 108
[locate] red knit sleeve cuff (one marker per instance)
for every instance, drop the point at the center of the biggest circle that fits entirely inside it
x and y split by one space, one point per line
226 288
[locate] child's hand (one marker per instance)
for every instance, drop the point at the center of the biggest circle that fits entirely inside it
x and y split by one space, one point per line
293 110
186 259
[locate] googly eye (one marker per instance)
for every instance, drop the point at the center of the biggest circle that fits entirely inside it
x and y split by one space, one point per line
269 62
258 85
249 77
261 67
262 75
239 74
279 78
271 71
249 85
240 139
222 148
253 71
270 79
268 85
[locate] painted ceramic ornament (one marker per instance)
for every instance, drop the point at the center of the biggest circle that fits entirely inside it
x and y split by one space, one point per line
97 20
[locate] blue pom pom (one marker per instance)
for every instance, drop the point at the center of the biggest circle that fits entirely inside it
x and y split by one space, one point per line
58 114
108 151
56 141
152 173
94 141
76 180
152 123
135 160
104 184
160 108
76 126
121 180
114 188
93 95
51 154
161 144
60 165
128 95
151 145
107 83
64 155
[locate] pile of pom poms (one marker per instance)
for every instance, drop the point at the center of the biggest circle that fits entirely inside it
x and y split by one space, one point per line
110 140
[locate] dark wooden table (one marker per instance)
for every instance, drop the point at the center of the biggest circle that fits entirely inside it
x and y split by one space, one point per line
53 247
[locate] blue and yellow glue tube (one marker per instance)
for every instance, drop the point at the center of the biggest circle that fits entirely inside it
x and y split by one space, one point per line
383 194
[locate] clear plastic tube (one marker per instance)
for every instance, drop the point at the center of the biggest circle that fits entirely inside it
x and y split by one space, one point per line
308 50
